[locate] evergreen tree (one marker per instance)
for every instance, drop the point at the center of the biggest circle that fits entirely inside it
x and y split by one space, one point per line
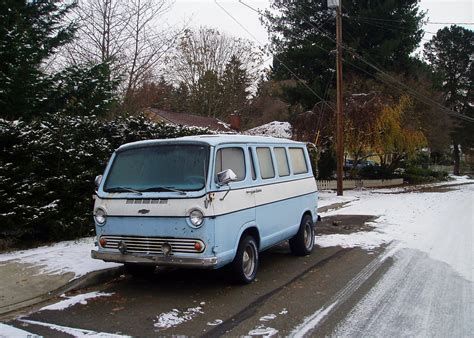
303 32
234 86
450 53
204 97
30 33
180 99
82 91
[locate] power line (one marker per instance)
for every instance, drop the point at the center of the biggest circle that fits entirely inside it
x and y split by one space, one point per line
403 21
278 59
401 85
415 94
392 28
448 23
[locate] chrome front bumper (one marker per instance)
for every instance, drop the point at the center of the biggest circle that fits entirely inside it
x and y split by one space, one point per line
209 262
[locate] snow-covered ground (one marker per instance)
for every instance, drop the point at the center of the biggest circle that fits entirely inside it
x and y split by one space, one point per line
59 258
73 300
274 129
433 222
7 331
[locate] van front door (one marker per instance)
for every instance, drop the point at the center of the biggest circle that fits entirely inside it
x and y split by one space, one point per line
234 206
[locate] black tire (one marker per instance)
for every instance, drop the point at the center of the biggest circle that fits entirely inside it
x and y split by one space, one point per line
245 264
138 269
302 243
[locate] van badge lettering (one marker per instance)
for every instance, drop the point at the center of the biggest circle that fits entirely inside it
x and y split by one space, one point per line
143 211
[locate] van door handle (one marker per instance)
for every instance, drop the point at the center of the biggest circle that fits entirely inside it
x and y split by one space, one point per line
254 191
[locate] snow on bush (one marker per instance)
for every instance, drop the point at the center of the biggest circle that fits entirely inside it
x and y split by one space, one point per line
47 169
274 129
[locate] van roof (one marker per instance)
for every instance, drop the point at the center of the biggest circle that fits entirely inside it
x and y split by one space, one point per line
213 140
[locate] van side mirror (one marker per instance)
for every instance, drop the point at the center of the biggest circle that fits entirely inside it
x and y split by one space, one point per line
98 180
226 176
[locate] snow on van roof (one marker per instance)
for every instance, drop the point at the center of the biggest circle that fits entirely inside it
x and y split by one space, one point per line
212 140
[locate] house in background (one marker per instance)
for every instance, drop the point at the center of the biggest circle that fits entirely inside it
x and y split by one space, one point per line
188 120
273 129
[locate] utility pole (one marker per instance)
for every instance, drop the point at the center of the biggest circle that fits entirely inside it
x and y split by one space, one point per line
340 103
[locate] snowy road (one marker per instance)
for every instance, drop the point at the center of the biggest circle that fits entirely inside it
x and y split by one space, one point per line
417 297
428 291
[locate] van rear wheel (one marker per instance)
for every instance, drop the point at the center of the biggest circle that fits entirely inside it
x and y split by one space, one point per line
245 264
302 243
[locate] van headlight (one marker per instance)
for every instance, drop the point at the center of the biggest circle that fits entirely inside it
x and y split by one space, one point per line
196 217
100 216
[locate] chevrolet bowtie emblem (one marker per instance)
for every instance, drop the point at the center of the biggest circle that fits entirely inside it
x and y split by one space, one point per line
143 211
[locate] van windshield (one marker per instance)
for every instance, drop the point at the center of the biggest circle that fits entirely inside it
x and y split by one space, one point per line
177 167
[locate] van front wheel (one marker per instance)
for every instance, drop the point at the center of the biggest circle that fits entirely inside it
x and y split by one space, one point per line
303 242
245 264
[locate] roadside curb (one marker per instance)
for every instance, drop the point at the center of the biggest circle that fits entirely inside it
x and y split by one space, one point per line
90 279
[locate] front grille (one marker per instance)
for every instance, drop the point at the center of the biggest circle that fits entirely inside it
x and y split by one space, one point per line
152 245
145 201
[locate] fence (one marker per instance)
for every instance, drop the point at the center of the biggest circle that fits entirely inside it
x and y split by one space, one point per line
352 184
437 167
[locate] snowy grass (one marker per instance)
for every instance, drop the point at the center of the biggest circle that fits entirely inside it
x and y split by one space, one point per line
60 258
437 223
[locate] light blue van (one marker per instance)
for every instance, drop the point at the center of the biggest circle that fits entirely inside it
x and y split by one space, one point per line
205 201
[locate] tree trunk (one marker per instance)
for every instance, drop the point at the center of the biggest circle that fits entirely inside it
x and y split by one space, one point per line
456 158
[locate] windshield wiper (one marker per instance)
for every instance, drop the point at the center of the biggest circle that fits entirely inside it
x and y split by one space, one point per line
121 189
181 192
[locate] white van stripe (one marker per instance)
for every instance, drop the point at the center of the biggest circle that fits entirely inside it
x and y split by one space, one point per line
236 200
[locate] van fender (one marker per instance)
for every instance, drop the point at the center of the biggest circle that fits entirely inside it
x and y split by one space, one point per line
245 227
307 211
228 256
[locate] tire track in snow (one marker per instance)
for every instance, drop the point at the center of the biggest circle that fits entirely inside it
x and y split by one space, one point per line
310 322
418 296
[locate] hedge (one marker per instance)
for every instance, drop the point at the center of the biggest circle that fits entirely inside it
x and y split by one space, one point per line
47 169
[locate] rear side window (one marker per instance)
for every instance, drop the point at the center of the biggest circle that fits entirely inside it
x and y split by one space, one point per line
282 161
298 161
231 158
265 163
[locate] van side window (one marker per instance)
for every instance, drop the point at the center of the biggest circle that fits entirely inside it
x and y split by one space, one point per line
252 165
282 161
265 163
231 158
298 161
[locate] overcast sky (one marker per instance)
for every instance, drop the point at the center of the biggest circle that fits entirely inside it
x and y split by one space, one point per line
208 13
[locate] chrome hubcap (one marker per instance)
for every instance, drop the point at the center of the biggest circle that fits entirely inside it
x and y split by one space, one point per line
248 261
308 236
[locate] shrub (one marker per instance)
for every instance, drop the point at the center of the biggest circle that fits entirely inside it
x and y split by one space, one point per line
47 169
376 172
416 175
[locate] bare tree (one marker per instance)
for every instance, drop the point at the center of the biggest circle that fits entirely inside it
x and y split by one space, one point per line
124 33
208 50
